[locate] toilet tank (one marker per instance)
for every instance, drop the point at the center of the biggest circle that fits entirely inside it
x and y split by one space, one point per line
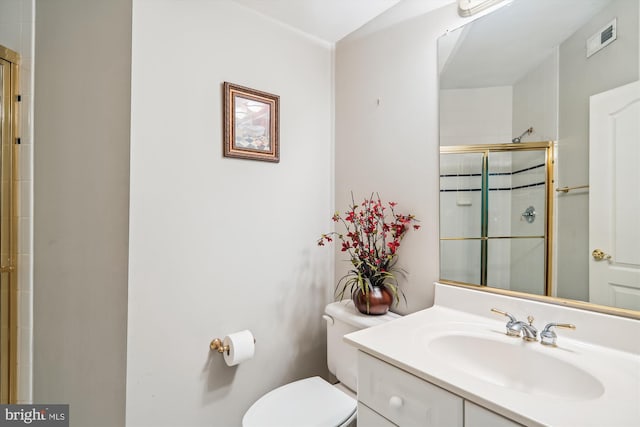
343 318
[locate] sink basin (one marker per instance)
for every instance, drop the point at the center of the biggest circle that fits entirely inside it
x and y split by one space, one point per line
517 365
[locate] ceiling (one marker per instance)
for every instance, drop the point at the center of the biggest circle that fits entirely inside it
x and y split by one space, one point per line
332 20
502 47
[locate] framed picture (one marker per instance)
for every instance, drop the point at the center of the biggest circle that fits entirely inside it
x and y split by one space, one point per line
251 128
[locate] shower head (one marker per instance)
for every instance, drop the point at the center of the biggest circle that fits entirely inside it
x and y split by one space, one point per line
519 138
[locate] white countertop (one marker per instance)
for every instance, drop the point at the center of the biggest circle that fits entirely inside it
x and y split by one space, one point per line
405 343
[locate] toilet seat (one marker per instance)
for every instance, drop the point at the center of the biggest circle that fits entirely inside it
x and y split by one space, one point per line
311 402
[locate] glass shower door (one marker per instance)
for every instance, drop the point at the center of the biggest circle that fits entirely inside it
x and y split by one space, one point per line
461 217
516 229
494 210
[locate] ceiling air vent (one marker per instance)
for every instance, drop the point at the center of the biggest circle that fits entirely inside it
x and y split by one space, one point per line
602 38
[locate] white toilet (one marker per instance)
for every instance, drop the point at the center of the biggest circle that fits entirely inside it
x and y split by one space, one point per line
313 402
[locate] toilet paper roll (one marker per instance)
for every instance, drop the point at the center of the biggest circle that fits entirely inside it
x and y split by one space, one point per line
241 347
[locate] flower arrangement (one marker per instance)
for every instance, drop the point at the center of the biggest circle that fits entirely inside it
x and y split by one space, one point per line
373 234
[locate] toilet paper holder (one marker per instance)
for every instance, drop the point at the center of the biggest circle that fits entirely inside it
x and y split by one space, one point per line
218 345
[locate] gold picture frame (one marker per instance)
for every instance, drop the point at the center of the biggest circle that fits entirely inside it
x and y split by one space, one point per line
251 124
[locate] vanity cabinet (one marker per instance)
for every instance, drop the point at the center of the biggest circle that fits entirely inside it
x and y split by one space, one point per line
370 418
389 396
477 416
405 399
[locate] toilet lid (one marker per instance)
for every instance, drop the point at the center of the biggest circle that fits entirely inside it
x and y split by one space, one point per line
310 402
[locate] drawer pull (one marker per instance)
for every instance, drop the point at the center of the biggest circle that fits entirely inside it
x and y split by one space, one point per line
395 402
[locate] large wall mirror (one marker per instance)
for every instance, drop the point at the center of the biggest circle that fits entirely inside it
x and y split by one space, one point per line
540 153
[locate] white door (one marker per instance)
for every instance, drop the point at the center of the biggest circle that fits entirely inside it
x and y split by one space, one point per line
614 197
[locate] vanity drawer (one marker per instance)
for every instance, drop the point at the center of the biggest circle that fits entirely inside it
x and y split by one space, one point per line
403 398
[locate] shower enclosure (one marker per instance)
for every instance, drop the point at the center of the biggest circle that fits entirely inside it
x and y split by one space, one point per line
495 212
8 225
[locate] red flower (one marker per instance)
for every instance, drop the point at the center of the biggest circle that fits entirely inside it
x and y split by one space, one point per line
372 238
394 245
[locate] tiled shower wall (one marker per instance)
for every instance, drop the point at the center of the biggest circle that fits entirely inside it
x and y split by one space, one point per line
17 33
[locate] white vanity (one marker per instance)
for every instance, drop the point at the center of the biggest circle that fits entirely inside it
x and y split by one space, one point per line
454 365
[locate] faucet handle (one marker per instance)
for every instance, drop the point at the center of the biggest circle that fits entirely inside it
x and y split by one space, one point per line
504 313
511 330
548 336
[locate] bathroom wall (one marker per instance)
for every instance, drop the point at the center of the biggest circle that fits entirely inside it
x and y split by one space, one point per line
476 116
81 194
581 77
218 245
535 101
16 33
391 146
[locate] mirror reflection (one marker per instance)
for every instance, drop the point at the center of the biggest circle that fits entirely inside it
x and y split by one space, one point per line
494 215
515 215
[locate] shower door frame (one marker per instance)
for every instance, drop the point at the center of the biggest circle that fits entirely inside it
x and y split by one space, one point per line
485 149
10 138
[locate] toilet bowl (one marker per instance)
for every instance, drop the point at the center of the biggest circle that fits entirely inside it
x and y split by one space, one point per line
313 402
308 402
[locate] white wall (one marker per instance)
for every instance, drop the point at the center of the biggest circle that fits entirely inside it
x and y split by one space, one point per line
81 199
393 148
476 116
219 245
16 33
535 102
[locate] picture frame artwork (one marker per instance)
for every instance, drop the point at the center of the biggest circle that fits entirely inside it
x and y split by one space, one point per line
251 124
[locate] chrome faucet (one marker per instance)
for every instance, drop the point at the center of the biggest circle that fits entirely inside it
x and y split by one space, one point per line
529 332
517 328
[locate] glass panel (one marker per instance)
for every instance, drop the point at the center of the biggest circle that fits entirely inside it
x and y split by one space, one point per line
460 261
460 195
517 264
517 181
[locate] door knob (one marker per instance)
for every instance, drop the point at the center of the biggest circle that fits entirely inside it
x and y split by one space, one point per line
599 255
